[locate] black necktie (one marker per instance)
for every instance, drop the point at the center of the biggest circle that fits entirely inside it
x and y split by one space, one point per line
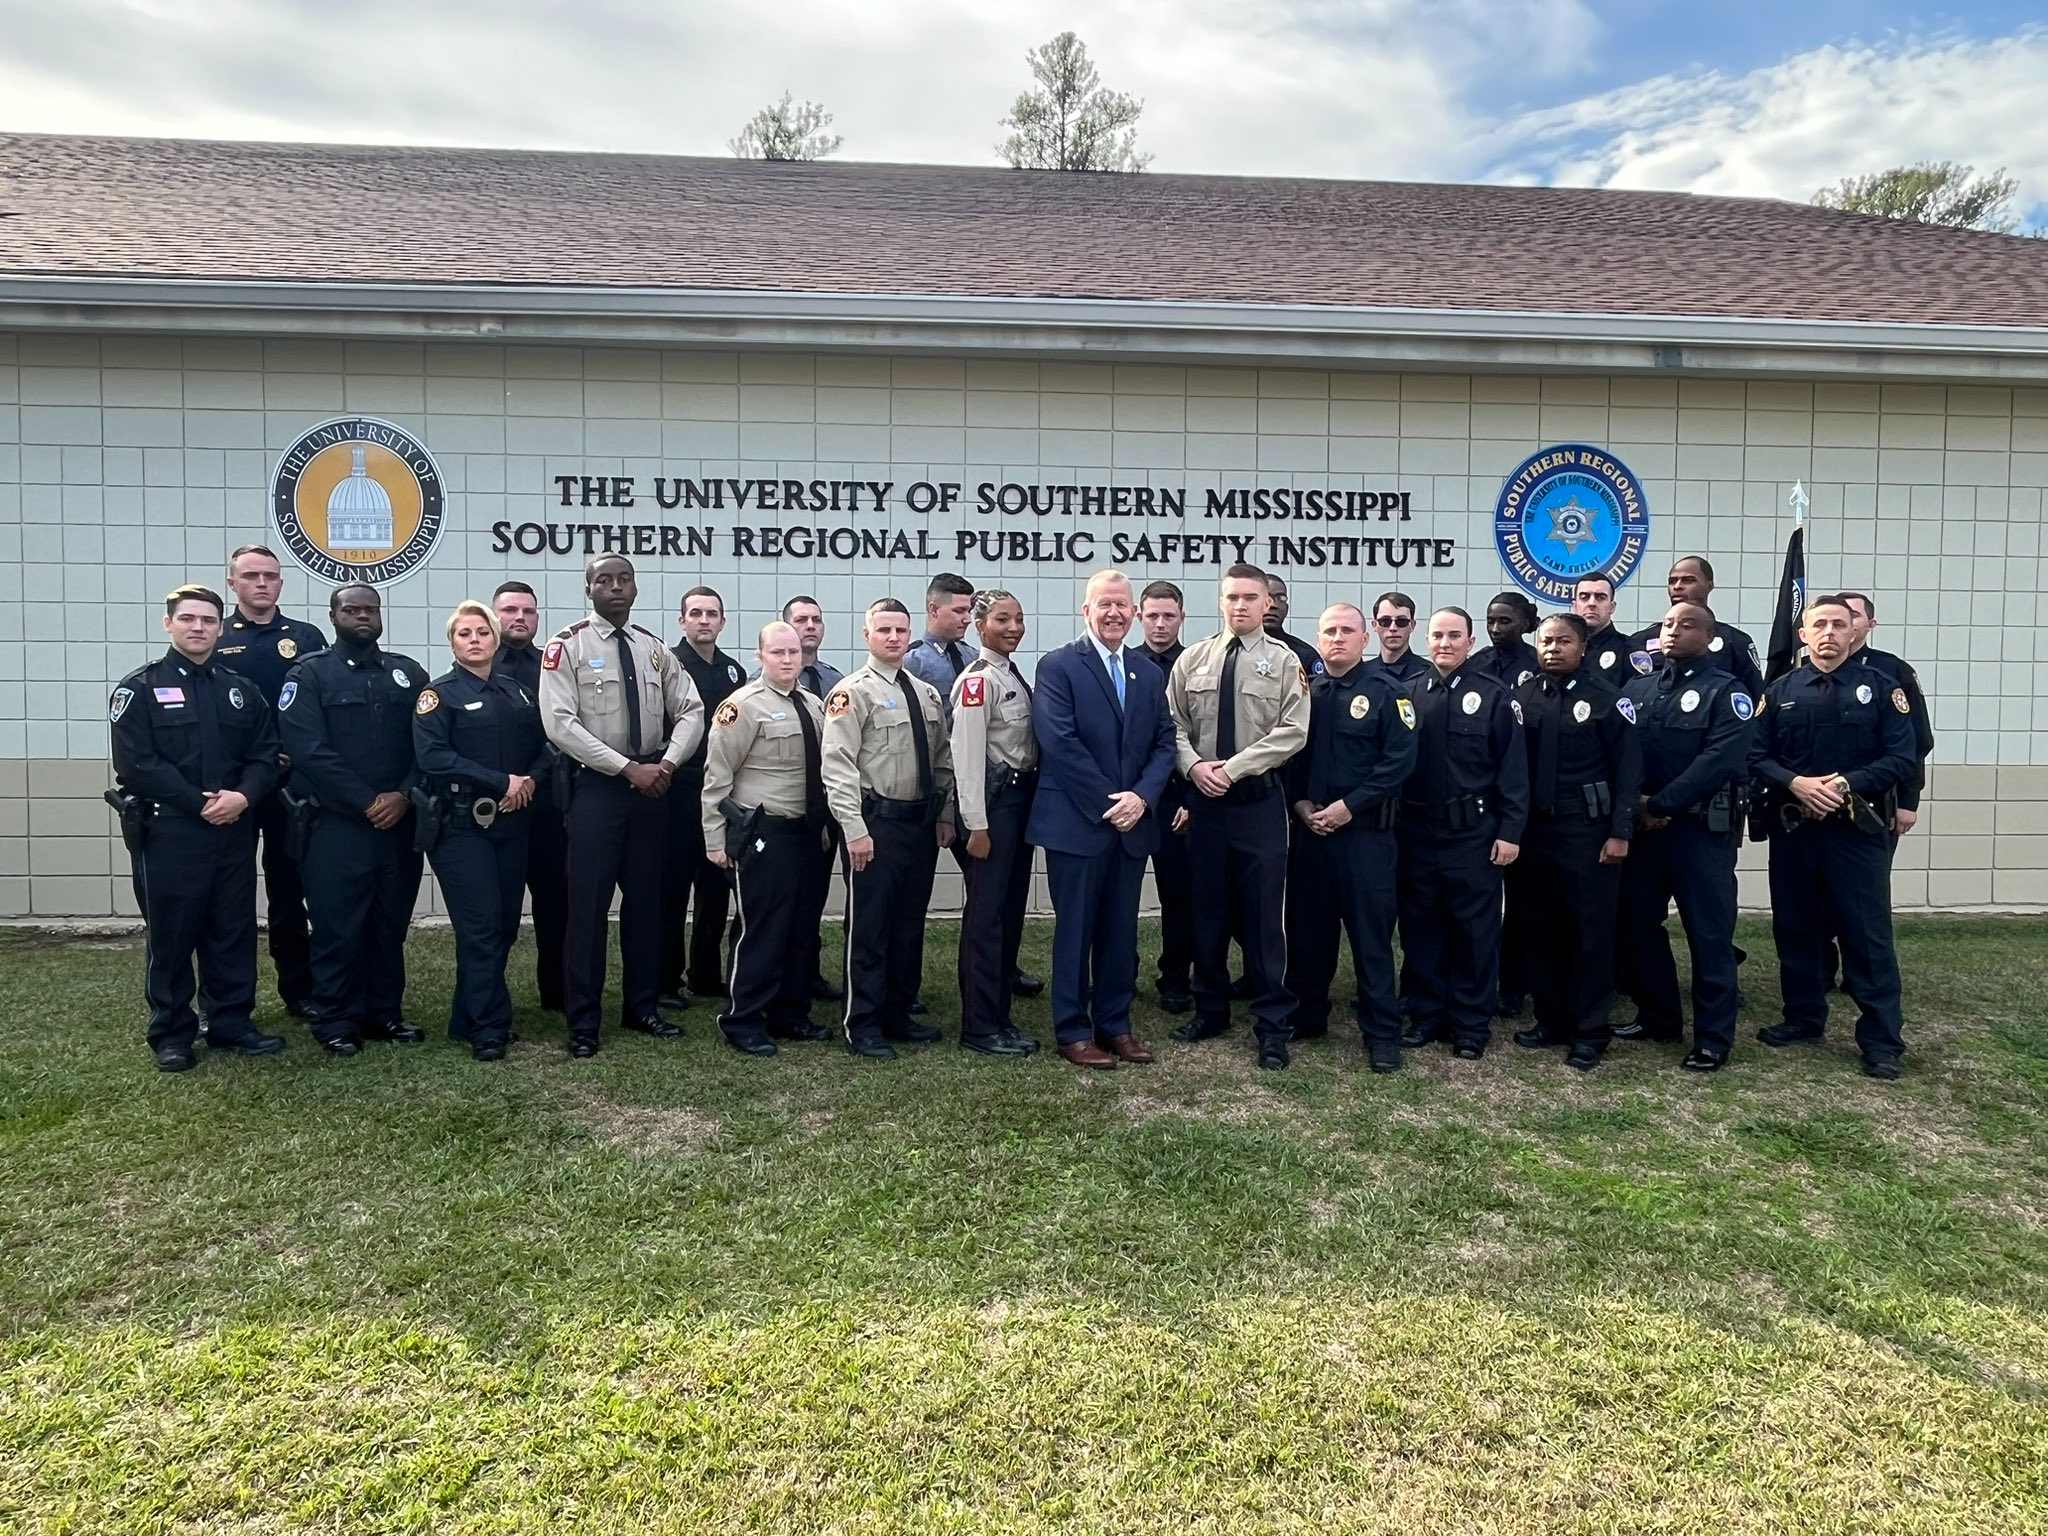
629 679
917 736
206 699
1226 703
814 767
1018 673
954 659
1549 721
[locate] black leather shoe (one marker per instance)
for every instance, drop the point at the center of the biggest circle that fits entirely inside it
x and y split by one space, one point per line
917 1005
1788 1034
1384 1058
342 1048
1273 1057
873 1050
654 1024
827 991
1011 1044
1201 1029
1176 1000
1703 1061
1024 984
298 1008
757 1047
582 1047
1582 1058
173 1058
1415 1036
914 1034
1883 1068
1636 1029
1311 1032
397 1031
675 1002
1533 1039
488 1050
254 1043
1469 1052
1018 1038
807 1032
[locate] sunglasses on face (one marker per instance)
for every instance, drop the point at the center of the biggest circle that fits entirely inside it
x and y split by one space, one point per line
1396 621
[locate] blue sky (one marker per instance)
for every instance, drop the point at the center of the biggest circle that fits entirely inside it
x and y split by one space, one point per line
1753 99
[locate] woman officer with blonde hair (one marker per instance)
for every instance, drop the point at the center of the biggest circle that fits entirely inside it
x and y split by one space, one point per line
481 749
995 772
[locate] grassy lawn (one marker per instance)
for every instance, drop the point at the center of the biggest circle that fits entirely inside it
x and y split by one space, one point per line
674 1289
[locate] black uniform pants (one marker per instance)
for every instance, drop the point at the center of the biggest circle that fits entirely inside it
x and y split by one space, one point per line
692 953
618 841
483 879
1569 900
992 920
1829 880
1449 894
547 880
196 887
1696 867
361 885
886 909
284 900
1173 878
771 959
1241 845
1343 882
1518 936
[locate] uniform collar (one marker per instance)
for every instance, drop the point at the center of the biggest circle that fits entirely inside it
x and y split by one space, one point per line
606 628
187 666
883 670
242 621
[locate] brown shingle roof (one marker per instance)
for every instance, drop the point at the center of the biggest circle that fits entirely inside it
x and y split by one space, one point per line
293 212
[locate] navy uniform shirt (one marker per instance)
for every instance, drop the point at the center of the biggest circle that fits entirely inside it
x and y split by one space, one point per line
346 719
1607 656
1898 674
1578 734
1178 791
1310 658
521 663
1361 742
1510 666
1815 723
182 729
265 653
716 680
1469 742
1730 649
1693 724
1409 675
477 732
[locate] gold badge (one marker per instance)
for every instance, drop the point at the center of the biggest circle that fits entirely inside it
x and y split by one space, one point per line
1407 712
1359 706
840 702
428 702
287 647
728 714
1899 701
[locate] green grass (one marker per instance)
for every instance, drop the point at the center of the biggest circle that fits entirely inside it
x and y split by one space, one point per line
674 1289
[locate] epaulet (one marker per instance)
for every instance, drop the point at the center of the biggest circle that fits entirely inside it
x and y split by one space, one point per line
979 664
566 633
132 676
650 634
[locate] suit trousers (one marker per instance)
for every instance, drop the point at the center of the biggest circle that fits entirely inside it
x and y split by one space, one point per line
692 954
1694 866
992 921
1094 942
361 885
887 906
1569 900
1244 844
771 960
483 884
1449 892
618 841
195 885
1342 886
1828 880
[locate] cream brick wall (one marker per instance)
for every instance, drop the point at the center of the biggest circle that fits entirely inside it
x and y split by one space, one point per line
129 464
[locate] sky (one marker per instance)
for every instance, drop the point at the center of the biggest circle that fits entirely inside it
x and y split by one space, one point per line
1743 97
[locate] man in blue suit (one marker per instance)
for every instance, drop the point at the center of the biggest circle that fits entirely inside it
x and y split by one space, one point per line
1105 752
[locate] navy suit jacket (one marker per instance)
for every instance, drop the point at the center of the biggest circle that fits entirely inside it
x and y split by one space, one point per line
1088 750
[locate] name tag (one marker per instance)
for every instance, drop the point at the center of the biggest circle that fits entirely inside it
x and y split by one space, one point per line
779 715
474 704
596 663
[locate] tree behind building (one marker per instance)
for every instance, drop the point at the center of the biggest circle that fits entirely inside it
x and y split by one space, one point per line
1932 192
1071 122
787 132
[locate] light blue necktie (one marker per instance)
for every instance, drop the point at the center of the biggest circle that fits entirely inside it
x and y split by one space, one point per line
1116 673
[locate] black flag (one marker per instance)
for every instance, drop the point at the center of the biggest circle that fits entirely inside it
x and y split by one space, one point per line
1791 603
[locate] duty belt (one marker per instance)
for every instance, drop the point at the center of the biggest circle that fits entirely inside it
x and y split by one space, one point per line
881 808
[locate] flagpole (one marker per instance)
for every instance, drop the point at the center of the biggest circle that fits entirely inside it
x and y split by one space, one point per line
1800 500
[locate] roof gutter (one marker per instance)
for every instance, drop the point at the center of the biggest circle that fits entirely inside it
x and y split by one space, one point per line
1159 330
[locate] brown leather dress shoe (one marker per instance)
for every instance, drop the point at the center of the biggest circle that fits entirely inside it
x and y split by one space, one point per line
1127 1049
1086 1053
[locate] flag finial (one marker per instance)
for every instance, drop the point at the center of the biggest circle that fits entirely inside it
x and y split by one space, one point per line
1800 501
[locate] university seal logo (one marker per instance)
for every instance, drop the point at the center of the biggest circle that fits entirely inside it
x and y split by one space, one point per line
1567 512
357 499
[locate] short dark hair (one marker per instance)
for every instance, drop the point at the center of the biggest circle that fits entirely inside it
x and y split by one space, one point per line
946 584
801 597
334 597
514 586
1519 603
1242 572
1398 599
591 565
1571 621
1869 608
1461 613
251 549
192 592
700 592
888 605
1600 576
1706 566
1703 608
1827 600
1165 589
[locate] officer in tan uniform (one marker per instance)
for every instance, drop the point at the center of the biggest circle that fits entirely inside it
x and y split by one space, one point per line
889 781
1240 711
995 772
617 702
765 818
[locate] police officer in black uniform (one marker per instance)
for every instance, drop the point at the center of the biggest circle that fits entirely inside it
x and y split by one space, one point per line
481 754
1692 581
1162 610
547 836
1463 810
1275 625
1393 625
1585 772
1831 748
698 947
1510 660
195 748
1693 723
346 718
1607 648
263 645
1343 790
1898 673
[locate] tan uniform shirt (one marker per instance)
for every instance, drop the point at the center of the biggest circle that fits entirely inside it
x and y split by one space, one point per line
1271 703
869 746
756 754
991 724
583 697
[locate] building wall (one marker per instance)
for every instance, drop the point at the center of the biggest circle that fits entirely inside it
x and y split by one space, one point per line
130 464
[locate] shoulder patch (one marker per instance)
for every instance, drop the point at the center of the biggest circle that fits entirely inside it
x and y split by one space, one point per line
1642 662
551 658
973 692
1899 701
1626 708
1516 706
427 703
840 702
118 706
286 694
1739 702
1406 710
727 713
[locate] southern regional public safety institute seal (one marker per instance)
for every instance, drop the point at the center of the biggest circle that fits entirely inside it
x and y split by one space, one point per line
356 499
1566 512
